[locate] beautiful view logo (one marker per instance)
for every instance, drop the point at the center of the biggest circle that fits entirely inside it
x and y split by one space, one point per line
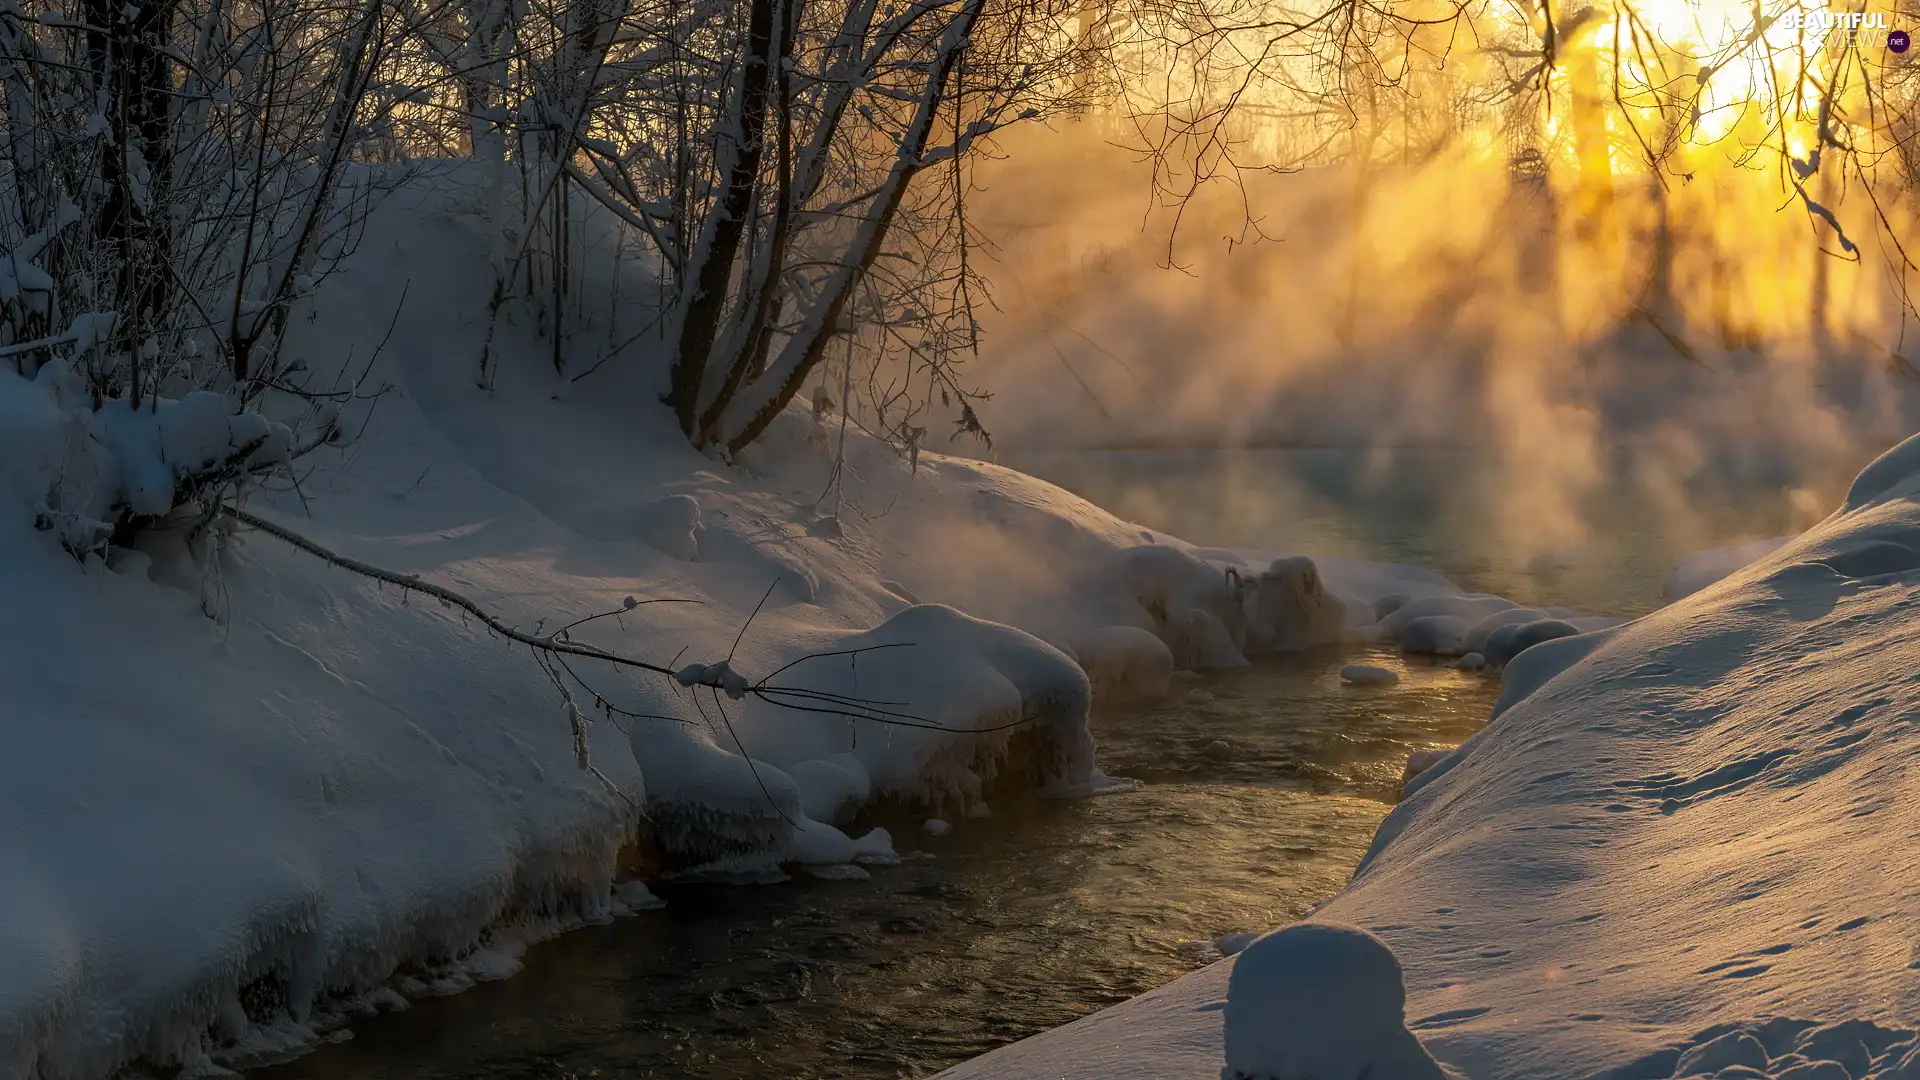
1866 29
1834 20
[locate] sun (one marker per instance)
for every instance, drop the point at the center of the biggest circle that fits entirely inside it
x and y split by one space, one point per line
1730 75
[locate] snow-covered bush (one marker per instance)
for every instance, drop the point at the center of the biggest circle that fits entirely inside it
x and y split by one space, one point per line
93 474
175 185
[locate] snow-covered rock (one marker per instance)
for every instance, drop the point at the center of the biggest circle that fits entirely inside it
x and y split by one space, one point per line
1439 635
1368 675
1320 1001
673 526
1511 640
1478 634
636 896
1292 608
1419 762
1471 608
831 788
1125 663
1192 605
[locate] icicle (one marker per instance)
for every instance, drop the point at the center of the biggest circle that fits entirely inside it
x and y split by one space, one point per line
578 722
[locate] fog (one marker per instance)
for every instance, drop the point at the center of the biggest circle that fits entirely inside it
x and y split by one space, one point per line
1673 337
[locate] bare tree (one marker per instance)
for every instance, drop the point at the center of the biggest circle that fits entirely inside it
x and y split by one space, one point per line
829 194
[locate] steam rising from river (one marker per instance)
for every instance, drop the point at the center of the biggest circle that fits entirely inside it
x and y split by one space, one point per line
1674 338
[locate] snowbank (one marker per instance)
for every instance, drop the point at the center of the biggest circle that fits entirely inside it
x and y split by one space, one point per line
1684 847
245 795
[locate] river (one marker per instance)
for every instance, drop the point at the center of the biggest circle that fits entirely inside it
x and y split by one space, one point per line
1261 791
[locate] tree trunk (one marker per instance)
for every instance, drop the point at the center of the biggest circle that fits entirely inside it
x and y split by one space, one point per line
748 415
704 292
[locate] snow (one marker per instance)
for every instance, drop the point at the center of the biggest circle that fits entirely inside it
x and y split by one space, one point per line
1125 662
1702 568
1477 635
1680 838
83 463
1320 1001
1418 763
1368 675
1441 635
1515 638
346 794
1683 847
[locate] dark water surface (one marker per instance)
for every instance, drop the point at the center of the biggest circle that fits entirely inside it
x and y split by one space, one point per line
1262 790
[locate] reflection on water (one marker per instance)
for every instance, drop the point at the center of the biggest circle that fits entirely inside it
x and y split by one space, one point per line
1263 789
1445 510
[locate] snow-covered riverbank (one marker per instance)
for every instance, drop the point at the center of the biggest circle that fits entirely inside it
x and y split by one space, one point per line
249 794
1684 846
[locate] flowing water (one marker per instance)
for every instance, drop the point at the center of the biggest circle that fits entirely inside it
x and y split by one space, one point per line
1262 790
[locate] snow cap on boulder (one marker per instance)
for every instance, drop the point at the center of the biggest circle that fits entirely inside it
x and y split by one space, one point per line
1292 607
1320 1001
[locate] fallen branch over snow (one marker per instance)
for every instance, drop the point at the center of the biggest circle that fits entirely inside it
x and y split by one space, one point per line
551 651
718 677
413 583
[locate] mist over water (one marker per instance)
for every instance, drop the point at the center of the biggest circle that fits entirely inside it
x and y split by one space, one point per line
1437 509
1695 344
